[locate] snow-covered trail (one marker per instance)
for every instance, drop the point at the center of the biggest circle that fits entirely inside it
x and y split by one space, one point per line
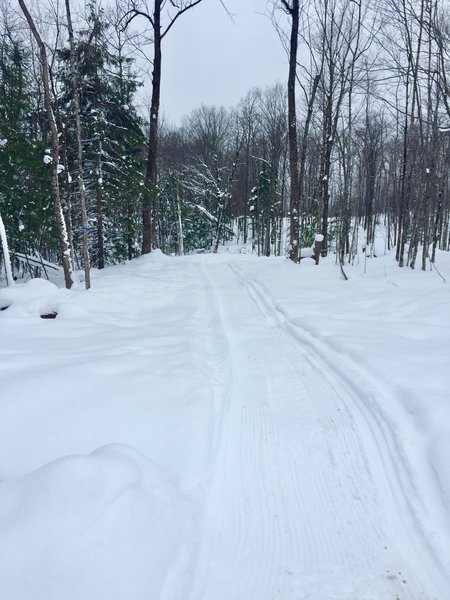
308 499
217 428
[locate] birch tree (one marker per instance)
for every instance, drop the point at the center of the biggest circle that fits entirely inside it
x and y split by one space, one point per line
79 137
61 225
6 255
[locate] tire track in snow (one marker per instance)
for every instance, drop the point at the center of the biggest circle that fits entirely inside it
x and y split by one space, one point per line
294 510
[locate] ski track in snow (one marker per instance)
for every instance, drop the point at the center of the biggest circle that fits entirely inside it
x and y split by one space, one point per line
309 497
285 475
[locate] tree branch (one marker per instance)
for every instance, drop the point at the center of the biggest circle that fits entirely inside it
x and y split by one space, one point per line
135 13
177 16
287 6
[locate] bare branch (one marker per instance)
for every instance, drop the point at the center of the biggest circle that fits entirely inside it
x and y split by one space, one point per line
178 15
132 14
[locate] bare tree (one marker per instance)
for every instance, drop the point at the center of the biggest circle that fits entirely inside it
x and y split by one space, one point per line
272 154
292 8
247 115
154 12
339 23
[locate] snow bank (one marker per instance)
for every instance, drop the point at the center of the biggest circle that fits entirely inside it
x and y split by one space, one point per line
101 526
132 363
31 299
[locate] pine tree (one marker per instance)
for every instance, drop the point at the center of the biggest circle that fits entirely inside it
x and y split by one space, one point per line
113 140
24 178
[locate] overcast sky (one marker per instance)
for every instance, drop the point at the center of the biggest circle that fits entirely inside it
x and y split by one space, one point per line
209 59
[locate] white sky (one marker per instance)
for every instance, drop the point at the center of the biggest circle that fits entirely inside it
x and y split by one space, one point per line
209 59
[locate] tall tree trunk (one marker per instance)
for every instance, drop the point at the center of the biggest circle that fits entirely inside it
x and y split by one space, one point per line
68 197
150 182
100 209
180 226
150 194
81 187
304 147
403 217
6 256
61 225
292 133
324 182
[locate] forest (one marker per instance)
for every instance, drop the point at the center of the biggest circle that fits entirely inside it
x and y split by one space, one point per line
224 331
362 141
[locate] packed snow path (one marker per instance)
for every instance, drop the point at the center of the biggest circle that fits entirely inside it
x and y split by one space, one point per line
308 499
226 428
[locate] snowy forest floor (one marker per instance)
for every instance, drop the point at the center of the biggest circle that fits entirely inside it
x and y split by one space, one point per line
227 427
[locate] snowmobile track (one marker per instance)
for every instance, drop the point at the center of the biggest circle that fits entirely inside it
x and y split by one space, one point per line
309 497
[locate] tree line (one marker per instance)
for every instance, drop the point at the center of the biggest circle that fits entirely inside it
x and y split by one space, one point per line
358 132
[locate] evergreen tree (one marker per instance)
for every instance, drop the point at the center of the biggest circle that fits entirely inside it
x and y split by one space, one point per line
113 140
24 178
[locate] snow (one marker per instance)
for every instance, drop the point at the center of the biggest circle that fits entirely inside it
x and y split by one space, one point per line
31 299
306 252
111 511
225 427
47 159
203 210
